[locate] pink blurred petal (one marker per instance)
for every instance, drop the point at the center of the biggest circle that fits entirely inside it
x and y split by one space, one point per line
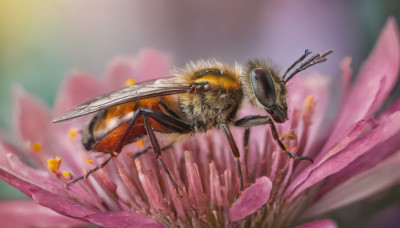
31 117
119 219
382 176
320 170
24 213
347 73
384 60
152 64
325 223
375 81
119 69
76 88
252 199
149 64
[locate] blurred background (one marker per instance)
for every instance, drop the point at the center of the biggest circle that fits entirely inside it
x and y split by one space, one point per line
41 40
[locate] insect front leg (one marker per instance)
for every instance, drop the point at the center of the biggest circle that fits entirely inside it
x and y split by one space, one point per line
235 152
250 121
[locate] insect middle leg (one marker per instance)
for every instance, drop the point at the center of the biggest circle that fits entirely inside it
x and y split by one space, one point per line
169 122
250 121
235 152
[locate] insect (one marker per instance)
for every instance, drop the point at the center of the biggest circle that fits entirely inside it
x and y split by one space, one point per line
201 96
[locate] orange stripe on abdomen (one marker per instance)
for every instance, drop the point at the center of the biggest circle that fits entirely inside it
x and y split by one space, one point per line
110 127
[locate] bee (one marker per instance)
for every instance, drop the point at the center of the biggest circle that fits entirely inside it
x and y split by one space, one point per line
197 98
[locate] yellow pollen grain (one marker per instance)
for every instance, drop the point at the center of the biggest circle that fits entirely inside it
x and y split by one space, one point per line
37 147
54 164
309 100
90 161
310 103
67 174
292 137
140 143
130 82
72 133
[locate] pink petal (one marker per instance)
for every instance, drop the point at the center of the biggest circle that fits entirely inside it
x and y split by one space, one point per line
358 187
76 88
31 117
375 81
383 61
322 169
347 73
343 142
392 109
150 64
253 198
122 219
325 223
40 185
363 163
119 69
24 213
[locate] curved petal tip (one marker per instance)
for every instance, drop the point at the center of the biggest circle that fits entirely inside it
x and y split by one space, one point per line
251 200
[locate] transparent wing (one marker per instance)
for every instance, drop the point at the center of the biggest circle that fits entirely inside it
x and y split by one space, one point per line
141 91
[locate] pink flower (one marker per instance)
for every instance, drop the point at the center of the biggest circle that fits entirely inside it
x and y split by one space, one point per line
355 154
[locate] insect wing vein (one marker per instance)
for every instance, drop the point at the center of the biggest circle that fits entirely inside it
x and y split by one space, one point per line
145 90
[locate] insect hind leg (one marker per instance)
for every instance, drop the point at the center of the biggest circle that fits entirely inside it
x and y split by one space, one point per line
117 150
145 150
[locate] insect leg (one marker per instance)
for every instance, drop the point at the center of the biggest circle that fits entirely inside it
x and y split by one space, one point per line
170 122
250 121
246 148
117 150
235 152
137 154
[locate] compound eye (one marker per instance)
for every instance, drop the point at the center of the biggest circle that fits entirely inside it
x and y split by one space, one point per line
263 87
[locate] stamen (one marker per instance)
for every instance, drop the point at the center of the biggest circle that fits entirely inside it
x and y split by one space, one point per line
66 174
90 161
292 136
54 164
138 165
72 133
308 109
130 82
140 143
37 147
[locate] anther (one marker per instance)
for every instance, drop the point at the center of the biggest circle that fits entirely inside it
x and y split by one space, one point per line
54 164
37 147
72 133
130 82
